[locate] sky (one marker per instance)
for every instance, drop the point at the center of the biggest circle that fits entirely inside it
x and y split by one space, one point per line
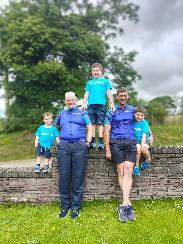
158 38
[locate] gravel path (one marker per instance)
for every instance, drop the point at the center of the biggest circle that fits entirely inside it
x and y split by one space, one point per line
18 163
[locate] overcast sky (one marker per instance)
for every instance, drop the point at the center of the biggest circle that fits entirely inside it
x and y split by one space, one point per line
158 38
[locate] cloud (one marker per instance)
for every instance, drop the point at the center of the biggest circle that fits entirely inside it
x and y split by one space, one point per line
158 37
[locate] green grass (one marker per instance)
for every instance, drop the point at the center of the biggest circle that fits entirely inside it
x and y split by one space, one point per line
168 134
157 221
20 145
16 145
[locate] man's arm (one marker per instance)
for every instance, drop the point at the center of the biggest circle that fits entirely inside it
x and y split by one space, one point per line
107 130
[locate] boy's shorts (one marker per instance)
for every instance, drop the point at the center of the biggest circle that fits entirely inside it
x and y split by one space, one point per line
43 152
97 113
123 150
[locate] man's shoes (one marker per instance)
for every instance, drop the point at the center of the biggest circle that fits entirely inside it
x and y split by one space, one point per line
37 168
145 165
123 214
46 169
74 214
130 213
63 213
93 144
101 146
136 170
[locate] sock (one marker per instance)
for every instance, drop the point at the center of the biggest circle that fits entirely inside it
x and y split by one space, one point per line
100 140
93 139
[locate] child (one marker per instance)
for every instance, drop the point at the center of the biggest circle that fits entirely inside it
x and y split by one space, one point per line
45 137
144 138
95 93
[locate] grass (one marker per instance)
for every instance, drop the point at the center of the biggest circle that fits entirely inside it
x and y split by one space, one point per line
168 134
157 221
20 145
16 145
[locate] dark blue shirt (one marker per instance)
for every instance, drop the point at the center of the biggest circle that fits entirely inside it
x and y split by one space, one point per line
121 121
72 123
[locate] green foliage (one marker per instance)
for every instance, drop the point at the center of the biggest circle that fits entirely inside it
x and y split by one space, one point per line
47 47
98 223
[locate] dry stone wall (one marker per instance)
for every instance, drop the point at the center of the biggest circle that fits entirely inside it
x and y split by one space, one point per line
163 179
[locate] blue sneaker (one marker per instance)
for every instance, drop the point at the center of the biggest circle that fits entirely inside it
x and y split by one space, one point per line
37 168
123 214
136 170
101 146
46 169
130 213
93 144
145 165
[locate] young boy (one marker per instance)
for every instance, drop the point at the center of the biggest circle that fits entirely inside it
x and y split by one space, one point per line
95 93
45 137
144 139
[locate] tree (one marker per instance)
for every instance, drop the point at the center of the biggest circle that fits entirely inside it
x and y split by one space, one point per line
46 48
158 108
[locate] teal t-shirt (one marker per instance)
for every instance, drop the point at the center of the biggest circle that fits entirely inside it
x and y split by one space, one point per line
141 127
47 135
97 90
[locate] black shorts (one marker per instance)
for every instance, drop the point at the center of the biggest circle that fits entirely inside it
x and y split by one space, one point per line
43 152
97 113
123 150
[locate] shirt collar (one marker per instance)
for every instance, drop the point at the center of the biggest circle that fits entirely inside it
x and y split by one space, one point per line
117 105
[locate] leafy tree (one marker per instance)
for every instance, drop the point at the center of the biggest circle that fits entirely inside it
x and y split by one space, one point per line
158 108
47 47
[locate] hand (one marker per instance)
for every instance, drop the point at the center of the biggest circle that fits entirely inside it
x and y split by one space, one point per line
83 107
108 155
145 147
36 144
112 107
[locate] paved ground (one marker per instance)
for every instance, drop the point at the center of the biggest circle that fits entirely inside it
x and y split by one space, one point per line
18 163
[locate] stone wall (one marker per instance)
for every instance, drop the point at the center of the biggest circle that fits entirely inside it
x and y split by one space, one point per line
163 179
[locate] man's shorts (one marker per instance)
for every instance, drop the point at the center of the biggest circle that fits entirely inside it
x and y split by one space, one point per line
123 150
97 113
43 152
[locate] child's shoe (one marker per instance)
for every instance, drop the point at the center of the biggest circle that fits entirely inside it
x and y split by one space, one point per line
145 165
136 170
101 146
93 144
37 168
46 169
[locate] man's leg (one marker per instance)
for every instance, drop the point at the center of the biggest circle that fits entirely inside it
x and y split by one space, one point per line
125 180
64 161
79 163
124 171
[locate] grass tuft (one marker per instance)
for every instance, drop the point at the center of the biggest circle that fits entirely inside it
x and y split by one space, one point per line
157 221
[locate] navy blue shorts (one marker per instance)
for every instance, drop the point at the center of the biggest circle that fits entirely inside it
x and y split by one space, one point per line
123 150
43 152
97 113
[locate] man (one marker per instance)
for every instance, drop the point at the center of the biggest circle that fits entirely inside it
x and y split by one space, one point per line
72 155
121 148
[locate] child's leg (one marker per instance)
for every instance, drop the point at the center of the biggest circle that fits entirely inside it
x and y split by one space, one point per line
46 161
146 154
38 160
93 130
100 131
138 155
37 168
